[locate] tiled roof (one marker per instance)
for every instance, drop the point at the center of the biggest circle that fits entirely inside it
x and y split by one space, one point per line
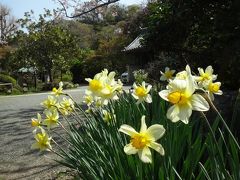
135 44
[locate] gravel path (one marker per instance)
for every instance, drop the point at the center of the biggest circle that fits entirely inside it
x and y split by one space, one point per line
17 160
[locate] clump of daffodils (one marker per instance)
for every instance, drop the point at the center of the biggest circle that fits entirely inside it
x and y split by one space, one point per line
53 106
181 92
102 88
206 81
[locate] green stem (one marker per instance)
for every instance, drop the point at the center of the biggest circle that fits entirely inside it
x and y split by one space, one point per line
225 124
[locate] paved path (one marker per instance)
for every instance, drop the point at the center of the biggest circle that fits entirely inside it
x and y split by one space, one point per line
17 160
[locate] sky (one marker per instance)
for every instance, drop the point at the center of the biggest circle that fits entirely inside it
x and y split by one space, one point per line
18 7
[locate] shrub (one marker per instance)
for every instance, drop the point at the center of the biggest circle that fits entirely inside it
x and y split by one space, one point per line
7 79
140 76
67 77
15 91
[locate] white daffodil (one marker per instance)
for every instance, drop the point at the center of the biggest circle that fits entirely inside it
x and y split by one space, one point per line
181 75
214 88
50 102
141 93
51 120
59 91
181 94
205 76
66 106
167 75
36 123
141 141
88 99
104 86
42 141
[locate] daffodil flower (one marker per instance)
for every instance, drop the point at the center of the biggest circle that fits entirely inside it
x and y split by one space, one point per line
36 123
205 76
167 75
66 106
51 120
141 141
103 86
214 88
88 100
180 93
59 91
141 93
50 102
42 141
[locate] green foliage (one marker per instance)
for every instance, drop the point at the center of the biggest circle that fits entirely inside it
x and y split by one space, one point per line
199 32
192 151
46 46
7 79
140 76
15 91
67 77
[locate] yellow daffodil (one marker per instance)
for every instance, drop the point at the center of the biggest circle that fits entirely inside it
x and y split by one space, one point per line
50 102
141 93
51 120
42 141
66 106
36 123
141 141
167 75
180 93
59 91
214 88
205 76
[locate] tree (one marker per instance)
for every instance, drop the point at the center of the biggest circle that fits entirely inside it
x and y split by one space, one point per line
201 32
80 8
46 46
8 24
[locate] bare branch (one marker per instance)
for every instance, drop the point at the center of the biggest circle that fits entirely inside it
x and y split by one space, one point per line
108 2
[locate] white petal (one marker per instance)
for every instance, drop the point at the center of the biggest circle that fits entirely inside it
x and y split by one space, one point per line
143 84
157 147
149 88
172 113
129 149
156 131
164 94
135 96
209 70
126 129
199 103
178 84
184 113
88 79
163 78
143 124
167 69
219 92
145 155
148 99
